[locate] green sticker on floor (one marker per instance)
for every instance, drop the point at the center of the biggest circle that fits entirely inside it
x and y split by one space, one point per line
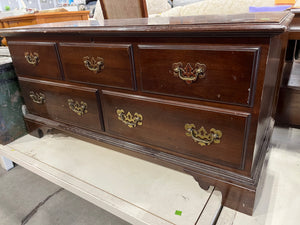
177 212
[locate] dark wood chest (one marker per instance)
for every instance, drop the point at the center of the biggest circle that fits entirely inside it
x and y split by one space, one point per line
196 94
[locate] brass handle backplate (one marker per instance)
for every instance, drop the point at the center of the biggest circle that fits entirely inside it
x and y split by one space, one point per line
32 58
189 74
95 65
129 119
201 136
79 108
38 98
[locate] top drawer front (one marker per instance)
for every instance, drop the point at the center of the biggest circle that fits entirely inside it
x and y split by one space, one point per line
215 73
101 64
37 59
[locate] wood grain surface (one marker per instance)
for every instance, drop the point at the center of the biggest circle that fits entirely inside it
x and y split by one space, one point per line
117 64
227 68
244 59
163 125
56 105
48 65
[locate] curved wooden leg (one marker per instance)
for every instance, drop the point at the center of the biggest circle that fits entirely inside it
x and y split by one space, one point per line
233 196
36 129
202 183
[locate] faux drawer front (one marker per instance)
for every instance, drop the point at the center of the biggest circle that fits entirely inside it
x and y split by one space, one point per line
37 59
200 133
78 106
101 64
215 73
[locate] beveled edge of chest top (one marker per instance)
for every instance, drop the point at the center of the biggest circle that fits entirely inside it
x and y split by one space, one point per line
267 23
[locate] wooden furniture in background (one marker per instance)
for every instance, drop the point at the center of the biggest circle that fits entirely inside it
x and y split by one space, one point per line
285 2
196 94
115 9
288 110
38 18
42 17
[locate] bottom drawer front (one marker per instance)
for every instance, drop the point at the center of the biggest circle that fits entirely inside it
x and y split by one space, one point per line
70 104
201 133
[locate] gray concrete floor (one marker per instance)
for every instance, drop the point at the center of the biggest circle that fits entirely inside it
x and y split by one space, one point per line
26 198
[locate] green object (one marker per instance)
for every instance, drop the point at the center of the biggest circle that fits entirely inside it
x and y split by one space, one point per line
7 8
178 212
12 123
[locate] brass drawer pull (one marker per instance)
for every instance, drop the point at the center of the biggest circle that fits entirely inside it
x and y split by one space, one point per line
79 108
129 119
94 65
32 58
202 136
38 98
189 74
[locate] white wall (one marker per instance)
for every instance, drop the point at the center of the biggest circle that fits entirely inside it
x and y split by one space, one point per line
35 4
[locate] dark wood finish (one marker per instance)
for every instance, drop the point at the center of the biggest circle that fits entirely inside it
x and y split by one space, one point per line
244 112
227 68
37 130
47 66
245 196
288 109
269 95
294 28
118 70
114 9
159 115
294 79
288 62
257 24
56 105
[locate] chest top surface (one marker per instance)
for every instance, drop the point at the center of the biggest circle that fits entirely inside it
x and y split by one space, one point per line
266 23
